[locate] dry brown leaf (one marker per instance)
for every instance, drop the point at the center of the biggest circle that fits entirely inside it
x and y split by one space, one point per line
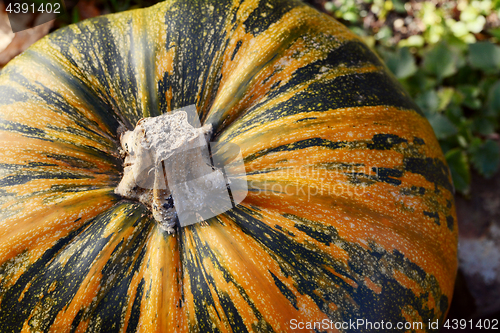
21 21
24 39
88 9
6 34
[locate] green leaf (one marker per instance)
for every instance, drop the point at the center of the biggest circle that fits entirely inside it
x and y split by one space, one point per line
384 34
486 83
459 167
470 94
462 141
358 31
445 95
419 82
428 102
75 15
484 126
467 75
330 7
459 29
399 6
412 41
485 157
440 61
495 32
454 113
351 17
442 126
485 56
401 63
494 99
477 25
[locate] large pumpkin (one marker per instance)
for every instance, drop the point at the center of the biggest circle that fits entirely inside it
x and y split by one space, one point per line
349 215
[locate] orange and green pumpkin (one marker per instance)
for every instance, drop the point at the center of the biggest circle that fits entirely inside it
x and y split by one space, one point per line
349 215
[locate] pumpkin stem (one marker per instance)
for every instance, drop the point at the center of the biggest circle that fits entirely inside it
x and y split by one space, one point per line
166 166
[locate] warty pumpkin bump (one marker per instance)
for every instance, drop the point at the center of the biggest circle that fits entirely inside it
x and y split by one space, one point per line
350 211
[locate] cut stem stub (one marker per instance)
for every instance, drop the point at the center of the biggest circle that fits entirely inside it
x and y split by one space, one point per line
167 167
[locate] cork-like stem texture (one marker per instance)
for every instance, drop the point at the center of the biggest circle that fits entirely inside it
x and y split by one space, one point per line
161 154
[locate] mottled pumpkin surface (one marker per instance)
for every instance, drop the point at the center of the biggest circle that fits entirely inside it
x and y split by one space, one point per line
350 212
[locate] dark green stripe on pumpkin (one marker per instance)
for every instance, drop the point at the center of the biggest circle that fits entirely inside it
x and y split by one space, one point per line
25 130
40 134
379 142
85 92
72 161
198 40
141 48
303 144
87 243
111 70
76 321
200 281
433 169
31 165
86 165
231 312
385 141
378 88
304 264
350 54
109 312
267 13
388 175
200 289
236 49
23 178
284 290
57 102
9 93
450 221
13 312
414 190
433 215
305 119
341 92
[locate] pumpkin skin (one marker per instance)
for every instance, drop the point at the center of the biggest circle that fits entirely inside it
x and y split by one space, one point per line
309 106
